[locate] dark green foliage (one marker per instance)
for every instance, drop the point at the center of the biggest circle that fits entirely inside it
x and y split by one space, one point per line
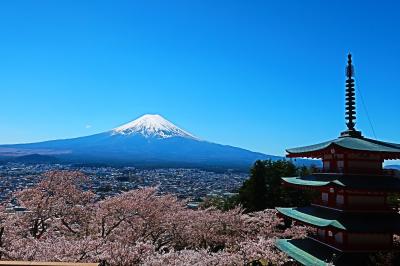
264 187
394 199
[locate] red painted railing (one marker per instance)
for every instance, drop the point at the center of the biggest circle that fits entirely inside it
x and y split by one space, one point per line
360 208
343 247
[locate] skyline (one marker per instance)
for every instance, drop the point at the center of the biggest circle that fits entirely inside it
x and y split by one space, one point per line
260 76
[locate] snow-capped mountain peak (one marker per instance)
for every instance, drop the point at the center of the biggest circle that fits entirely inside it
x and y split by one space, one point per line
152 125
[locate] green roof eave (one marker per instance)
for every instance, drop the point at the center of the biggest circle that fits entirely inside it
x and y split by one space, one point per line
301 182
310 219
310 148
352 143
348 181
298 254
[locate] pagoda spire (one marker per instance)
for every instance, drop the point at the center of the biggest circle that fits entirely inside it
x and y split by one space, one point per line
350 95
350 109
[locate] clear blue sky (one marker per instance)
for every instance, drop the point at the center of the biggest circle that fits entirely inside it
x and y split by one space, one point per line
262 75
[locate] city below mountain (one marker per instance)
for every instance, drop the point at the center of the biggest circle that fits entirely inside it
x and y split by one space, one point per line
149 141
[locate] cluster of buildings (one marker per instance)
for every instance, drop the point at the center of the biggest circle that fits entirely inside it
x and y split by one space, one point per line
17 176
194 184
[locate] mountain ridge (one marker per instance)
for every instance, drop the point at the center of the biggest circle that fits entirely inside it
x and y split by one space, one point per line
150 140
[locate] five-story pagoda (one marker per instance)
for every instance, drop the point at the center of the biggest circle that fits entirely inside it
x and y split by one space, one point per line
352 216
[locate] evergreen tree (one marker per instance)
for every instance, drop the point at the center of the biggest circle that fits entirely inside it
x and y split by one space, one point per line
264 187
253 193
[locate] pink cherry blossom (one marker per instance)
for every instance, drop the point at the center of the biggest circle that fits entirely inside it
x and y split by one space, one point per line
138 227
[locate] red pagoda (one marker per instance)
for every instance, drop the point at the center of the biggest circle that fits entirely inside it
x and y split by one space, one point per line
352 217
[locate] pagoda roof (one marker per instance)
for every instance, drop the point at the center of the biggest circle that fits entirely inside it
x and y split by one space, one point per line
299 249
307 251
355 182
354 222
350 139
356 143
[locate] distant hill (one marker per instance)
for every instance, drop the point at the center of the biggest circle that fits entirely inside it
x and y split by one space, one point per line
35 159
149 141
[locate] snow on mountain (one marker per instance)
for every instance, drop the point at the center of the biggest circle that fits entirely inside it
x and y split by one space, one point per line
149 141
152 126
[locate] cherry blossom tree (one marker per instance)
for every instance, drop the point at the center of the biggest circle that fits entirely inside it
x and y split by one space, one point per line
63 222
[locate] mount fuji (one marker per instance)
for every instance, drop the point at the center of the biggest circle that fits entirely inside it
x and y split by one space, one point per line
152 126
149 141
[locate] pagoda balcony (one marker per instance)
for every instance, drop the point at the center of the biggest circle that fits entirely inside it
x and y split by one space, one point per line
357 171
362 246
356 208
